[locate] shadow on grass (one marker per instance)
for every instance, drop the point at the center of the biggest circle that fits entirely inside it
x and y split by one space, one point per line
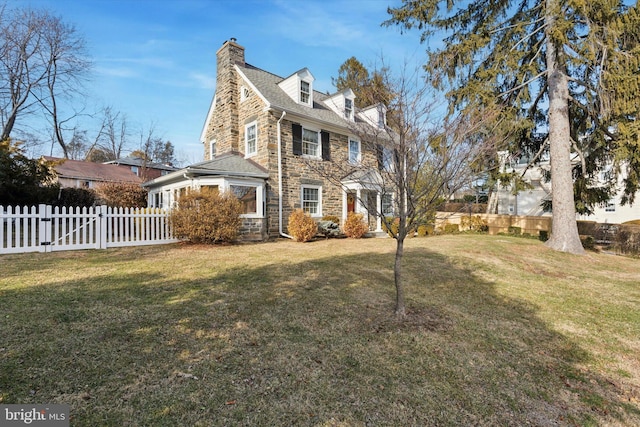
296 343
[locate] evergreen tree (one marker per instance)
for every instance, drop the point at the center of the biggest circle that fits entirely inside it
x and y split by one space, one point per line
565 75
24 181
367 86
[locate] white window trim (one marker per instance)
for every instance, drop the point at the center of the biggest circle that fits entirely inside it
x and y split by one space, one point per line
359 159
248 154
244 93
309 95
318 154
348 112
315 187
212 151
259 195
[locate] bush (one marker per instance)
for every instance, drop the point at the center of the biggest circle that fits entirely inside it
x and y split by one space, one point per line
76 197
627 240
515 231
122 194
425 230
451 228
392 229
543 235
354 226
301 226
588 242
207 216
474 223
332 218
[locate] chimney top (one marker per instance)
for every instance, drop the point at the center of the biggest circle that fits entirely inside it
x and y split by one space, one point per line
233 39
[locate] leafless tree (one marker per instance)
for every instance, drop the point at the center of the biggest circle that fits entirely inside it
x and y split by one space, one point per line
421 160
43 64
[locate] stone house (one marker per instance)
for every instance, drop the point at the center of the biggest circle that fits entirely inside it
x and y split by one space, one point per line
267 138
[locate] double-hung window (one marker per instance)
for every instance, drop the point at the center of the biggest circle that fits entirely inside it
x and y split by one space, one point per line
348 109
305 92
312 200
354 151
387 205
310 143
251 139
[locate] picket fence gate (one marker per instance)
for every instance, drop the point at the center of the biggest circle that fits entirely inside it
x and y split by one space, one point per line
45 228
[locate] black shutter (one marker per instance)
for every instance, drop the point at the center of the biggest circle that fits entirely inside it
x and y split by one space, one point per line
296 130
326 146
380 157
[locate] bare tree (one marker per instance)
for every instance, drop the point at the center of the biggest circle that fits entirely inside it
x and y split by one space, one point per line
420 161
42 66
115 133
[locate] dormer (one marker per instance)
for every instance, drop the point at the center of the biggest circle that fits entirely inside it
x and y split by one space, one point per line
376 115
299 87
343 104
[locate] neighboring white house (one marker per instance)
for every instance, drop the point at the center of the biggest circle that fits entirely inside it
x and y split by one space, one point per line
529 202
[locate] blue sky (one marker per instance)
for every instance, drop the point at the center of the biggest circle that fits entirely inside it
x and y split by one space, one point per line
154 60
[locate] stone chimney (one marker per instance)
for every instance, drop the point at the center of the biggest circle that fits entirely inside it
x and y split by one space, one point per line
227 96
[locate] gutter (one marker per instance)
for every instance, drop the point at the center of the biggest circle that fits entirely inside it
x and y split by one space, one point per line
280 178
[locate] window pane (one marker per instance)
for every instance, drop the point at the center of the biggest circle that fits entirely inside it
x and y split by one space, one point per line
387 205
247 196
310 200
304 92
354 151
309 142
251 139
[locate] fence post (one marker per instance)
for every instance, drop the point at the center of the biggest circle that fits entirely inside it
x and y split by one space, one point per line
44 216
102 220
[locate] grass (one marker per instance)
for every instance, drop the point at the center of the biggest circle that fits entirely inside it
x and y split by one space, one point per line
500 331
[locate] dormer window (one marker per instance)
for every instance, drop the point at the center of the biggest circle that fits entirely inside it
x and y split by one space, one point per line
305 91
348 109
381 117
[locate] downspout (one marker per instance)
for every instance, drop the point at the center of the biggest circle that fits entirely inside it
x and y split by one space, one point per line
280 178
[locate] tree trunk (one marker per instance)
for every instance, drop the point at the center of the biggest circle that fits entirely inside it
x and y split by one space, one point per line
397 276
564 229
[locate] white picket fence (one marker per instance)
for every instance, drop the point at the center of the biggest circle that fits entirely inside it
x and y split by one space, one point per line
45 228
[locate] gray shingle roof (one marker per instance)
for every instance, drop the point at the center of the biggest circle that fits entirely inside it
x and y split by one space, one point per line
229 163
267 85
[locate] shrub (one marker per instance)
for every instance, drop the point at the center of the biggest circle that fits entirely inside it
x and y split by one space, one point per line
627 240
354 226
474 223
516 231
76 197
122 194
207 216
588 242
425 230
301 226
332 218
451 228
392 229
543 235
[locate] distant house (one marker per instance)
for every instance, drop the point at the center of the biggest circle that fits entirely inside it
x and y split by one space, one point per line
528 202
144 169
78 174
262 135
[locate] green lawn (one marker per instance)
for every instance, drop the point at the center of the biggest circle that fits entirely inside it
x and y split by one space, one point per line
501 331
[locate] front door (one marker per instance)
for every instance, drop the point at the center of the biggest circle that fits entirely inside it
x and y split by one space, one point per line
351 202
